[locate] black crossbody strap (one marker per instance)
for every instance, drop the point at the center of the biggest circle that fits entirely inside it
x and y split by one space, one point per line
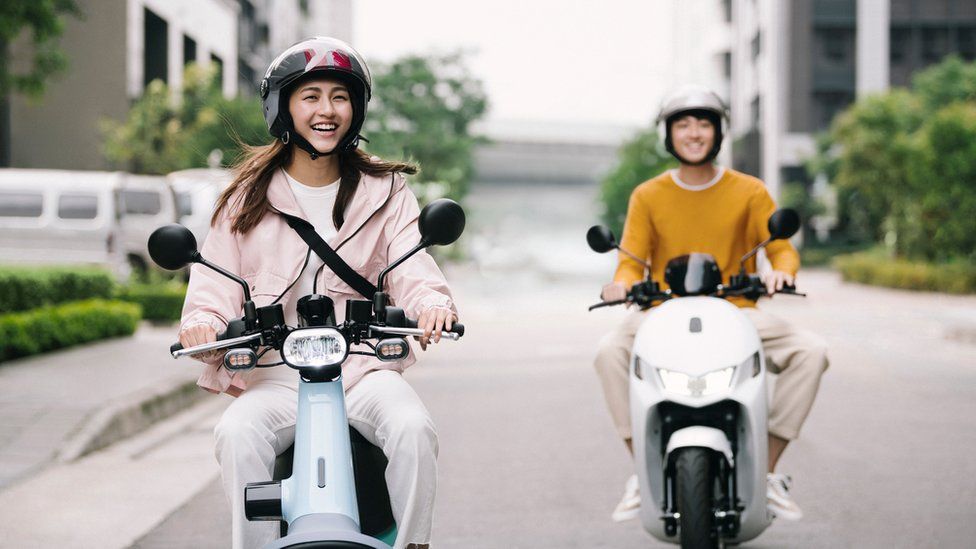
329 256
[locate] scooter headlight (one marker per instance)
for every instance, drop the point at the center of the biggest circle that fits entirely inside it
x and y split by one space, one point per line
708 384
314 348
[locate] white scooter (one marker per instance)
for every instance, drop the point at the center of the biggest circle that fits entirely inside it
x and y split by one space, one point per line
698 400
335 494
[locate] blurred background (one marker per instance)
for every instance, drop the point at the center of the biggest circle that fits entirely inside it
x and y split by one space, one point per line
118 116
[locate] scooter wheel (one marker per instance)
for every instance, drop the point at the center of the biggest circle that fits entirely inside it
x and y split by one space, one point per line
693 487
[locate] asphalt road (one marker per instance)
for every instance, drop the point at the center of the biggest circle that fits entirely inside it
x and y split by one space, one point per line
528 457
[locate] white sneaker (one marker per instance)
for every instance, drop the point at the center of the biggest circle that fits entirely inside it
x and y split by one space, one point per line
629 506
778 500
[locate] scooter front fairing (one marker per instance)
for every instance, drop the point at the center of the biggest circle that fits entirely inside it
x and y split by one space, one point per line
698 379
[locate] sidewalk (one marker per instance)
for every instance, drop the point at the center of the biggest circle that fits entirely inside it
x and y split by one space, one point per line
60 406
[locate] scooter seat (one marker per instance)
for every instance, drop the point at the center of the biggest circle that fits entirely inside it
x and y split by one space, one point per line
369 468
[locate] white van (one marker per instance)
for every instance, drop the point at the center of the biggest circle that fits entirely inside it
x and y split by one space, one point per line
196 193
55 216
81 217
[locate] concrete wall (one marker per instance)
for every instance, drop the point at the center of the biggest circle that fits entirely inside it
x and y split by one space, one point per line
60 130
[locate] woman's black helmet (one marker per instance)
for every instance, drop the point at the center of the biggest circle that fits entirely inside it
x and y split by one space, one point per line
318 55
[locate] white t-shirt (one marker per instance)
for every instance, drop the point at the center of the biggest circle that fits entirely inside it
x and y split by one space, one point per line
317 204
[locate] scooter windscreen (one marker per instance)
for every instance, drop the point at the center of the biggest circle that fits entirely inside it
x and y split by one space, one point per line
693 274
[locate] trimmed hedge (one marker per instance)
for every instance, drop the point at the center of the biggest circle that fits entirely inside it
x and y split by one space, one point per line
877 269
55 327
159 302
22 289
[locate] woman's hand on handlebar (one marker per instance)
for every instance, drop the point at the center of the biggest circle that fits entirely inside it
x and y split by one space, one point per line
615 291
776 280
432 321
199 334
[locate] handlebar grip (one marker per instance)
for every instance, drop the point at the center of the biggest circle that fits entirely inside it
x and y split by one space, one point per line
179 346
456 328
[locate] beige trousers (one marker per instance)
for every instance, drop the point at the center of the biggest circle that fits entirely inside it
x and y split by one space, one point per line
799 357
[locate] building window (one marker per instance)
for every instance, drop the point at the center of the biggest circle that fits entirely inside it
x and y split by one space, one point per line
966 42
248 80
189 50
935 45
836 45
727 10
78 206
756 45
754 113
219 68
727 64
901 43
155 47
826 105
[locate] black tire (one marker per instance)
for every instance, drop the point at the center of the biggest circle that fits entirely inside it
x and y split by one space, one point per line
693 481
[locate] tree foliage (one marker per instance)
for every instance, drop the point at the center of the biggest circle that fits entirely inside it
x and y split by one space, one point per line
904 164
639 159
162 134
422 110
44 19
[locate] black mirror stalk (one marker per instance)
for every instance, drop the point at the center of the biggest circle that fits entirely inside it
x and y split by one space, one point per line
380 298
250 311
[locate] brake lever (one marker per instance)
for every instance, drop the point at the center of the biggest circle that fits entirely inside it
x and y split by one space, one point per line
607 304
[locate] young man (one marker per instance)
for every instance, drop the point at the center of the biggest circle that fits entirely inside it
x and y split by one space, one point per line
703 207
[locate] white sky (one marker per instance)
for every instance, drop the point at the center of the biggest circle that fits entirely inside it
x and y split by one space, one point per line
590 62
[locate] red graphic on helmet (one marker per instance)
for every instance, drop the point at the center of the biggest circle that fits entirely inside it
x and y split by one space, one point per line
315 60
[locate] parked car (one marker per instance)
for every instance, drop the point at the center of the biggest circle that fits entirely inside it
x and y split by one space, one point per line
81 217
196 192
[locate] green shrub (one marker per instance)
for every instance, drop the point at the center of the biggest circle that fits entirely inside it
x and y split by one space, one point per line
55 327
875 268
159 302
22 289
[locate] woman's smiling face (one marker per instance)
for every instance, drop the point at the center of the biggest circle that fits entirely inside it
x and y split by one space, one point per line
321 111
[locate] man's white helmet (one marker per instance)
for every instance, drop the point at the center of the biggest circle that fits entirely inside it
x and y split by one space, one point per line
695 100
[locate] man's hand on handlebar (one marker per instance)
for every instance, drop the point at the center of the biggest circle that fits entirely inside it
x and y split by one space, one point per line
432 321
776 280
199 334
615 291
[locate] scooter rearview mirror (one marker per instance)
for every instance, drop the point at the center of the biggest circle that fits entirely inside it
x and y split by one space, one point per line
600 239
783 223
173 247
441 222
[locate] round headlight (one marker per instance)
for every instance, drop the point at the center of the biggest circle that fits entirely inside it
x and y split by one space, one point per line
314 348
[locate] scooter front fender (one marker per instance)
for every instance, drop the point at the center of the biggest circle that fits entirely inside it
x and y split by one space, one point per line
700 437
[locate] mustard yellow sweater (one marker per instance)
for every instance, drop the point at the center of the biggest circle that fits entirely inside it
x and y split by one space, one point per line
666 219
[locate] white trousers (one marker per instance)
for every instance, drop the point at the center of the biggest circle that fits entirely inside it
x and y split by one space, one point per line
260 424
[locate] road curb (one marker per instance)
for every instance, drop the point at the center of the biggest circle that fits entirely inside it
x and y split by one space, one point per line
130 415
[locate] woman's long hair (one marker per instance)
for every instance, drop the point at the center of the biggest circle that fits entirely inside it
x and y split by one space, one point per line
253 173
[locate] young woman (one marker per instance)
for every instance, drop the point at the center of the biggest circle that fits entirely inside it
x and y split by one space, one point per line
315 96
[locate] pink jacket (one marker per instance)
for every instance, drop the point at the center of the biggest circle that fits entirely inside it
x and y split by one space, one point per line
380 226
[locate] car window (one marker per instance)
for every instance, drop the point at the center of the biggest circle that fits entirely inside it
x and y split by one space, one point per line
141 202
78 206
184 204
21 204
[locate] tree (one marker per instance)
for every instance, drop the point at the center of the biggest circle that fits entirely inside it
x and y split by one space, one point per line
45 21
161 135
422 110
639 159
904 164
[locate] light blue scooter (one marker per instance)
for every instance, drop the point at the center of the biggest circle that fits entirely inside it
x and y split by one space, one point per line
336 494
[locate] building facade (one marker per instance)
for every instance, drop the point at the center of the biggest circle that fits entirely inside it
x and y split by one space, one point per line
796 64
119 46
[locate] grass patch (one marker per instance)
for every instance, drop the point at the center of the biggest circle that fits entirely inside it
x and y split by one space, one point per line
876 268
